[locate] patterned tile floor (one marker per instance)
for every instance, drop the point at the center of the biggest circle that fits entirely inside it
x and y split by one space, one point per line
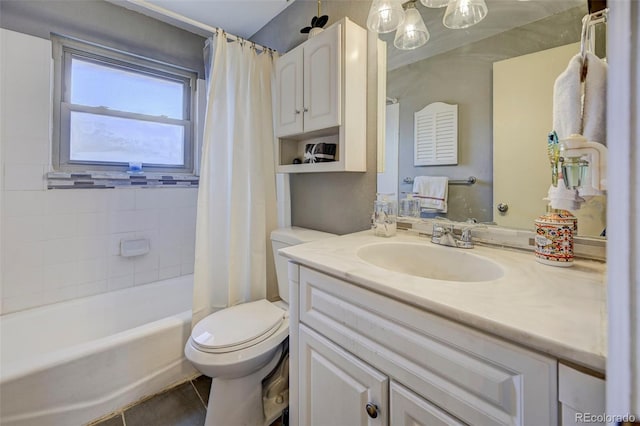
183 405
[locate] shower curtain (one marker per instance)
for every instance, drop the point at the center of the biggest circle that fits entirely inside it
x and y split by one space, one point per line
236 197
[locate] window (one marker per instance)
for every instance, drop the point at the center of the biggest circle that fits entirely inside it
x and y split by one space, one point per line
112 108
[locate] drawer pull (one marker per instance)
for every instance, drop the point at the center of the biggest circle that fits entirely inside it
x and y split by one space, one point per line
372 410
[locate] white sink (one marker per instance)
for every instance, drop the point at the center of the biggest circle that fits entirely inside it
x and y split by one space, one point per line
434 262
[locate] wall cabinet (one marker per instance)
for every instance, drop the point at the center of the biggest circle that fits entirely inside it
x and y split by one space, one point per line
321 98
415 367
309 85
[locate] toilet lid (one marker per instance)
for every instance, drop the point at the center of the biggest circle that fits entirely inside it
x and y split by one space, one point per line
238 326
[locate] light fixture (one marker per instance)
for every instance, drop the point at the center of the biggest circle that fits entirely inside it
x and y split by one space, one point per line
388 15
385 15
464 13
412 32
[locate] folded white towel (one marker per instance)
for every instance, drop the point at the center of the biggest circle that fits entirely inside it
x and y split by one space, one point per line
432 191
567 100
594 115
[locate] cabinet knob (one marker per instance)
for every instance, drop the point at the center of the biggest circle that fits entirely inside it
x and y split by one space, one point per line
502 207
306 110
372 410
297 111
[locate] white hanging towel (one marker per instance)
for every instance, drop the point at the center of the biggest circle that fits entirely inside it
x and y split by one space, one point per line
567 100
573 114
594 115
432 191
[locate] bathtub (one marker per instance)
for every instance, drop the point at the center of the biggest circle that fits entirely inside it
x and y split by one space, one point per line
72 362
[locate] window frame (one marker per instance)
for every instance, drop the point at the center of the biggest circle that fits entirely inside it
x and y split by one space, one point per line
64 50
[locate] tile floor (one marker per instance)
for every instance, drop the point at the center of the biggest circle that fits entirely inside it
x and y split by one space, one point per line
183 405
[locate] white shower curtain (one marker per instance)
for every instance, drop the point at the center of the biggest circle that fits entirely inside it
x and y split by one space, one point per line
236 199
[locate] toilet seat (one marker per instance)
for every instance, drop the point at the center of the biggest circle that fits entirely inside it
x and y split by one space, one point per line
237 327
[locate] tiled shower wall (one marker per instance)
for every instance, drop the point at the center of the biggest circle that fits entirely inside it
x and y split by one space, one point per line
63 244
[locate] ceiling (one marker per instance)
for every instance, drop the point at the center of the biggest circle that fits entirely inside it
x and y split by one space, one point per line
238 17
245 17
503 15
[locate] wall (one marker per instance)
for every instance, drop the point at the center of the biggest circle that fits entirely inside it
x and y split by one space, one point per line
105 23
332 202
464 76
62 244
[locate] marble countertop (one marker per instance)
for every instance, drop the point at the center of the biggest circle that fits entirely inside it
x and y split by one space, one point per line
554 310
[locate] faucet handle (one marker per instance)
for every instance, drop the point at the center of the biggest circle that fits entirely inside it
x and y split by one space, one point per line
466 236
440 229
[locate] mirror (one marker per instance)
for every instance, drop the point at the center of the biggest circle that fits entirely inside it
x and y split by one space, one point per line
457 67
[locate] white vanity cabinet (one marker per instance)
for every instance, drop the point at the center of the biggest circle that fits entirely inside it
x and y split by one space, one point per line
321 97
352 347
339 389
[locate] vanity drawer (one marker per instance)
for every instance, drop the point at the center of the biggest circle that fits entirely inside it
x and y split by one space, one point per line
477 378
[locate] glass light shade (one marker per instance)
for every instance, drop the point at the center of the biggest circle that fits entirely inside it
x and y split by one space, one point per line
385 15
412 33
435 3
464 13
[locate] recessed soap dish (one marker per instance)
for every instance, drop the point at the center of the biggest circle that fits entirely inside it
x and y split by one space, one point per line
131 248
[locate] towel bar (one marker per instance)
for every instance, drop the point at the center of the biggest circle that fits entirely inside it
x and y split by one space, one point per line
469 181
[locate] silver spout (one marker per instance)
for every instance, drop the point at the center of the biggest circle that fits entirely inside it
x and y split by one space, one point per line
443 235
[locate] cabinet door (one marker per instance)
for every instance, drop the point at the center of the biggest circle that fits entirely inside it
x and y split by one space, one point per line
335 387
408 409
582 397
322 72
289 94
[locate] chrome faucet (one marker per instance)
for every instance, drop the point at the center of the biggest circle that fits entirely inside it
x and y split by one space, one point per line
443 234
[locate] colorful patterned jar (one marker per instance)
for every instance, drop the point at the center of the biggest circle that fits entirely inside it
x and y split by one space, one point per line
554 238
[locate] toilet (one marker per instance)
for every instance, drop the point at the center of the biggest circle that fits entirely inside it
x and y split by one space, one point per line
239 346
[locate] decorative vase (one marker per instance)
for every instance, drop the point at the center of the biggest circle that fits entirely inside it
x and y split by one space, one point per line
554 238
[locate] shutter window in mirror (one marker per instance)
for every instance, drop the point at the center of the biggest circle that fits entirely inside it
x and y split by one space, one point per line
436 135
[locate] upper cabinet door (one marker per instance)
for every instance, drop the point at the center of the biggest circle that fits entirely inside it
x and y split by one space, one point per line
289 106
322 82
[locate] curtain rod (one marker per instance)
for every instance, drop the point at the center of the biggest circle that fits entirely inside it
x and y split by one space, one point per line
176 17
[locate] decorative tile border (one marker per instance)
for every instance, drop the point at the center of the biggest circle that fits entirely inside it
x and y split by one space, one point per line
93 180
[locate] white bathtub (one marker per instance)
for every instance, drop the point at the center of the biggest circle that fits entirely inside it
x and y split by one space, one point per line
72 362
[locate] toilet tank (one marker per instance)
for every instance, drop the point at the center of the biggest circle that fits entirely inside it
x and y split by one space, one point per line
286 237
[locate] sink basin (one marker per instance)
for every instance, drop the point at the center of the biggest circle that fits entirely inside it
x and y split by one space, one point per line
434 262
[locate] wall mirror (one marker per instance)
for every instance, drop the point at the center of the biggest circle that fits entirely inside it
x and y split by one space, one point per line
457 67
